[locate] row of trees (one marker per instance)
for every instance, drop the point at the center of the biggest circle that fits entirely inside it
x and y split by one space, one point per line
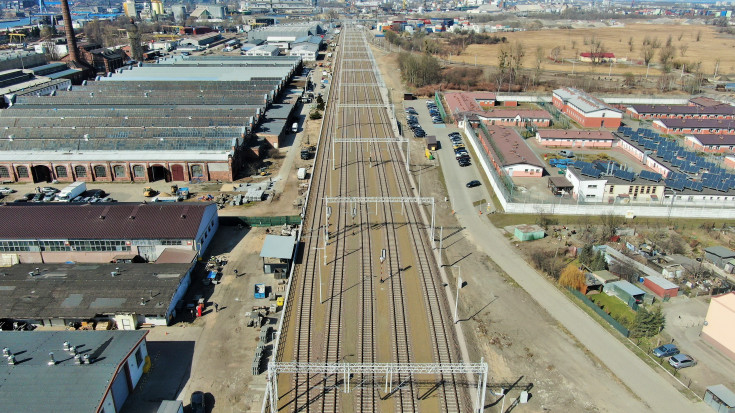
419 70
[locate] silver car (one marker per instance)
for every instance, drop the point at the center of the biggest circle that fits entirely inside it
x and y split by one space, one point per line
681 361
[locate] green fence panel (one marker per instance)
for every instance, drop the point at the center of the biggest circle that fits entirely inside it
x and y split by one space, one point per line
438 99
624 331
262 221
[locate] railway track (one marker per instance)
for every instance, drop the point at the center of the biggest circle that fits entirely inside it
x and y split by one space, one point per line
353 236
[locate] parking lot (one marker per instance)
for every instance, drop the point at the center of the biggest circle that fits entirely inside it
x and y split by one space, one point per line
451 167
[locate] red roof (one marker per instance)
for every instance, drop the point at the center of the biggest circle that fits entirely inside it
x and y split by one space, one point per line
513 149
101 221
603 55
575 134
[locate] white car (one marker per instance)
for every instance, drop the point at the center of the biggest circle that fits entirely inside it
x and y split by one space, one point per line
6 191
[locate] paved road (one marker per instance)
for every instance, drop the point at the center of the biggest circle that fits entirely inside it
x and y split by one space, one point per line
647 384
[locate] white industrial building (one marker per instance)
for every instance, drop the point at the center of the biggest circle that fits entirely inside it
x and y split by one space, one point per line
306 51
264 50
586 188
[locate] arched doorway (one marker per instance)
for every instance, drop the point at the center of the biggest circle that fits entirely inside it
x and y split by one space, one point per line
41 173
157 173
177 172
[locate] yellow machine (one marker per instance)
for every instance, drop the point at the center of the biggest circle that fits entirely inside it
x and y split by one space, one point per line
429 155
148 192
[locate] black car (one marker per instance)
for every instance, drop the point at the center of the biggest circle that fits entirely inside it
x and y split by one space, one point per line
96 193
37 198
455 134
472 184
198 405
419 133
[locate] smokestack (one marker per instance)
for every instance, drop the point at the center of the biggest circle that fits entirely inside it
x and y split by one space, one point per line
71 40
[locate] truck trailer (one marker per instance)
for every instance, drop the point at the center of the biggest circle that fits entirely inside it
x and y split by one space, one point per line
72 191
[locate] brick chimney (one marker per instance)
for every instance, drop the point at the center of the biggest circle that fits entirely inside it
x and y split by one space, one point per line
71 40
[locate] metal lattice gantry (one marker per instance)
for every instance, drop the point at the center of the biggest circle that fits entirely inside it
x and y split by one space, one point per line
387 370
353 200
373 140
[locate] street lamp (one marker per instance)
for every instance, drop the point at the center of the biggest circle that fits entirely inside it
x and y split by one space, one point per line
459 285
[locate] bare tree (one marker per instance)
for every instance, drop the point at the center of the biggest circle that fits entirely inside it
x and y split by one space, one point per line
555 52
630 44
683 49
610 223
538 64
597 50
647 53
666 55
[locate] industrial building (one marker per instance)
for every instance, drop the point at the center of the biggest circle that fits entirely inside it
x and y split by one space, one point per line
264 50
721 111
710 143
706 126
585 109
717 329
183 119
71 371
61 232
575 138
283 35
509 154
101 295
308 52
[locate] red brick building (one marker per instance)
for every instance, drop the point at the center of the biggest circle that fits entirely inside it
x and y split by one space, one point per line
681 112
575 138
695 126
516 117
585 109
710 143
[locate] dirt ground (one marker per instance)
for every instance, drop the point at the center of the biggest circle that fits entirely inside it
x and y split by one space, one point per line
711 47
223 344
523 346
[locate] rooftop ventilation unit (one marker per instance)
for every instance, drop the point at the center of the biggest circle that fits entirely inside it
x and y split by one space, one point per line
52 360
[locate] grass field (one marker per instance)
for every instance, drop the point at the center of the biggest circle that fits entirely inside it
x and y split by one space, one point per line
617 309
708 49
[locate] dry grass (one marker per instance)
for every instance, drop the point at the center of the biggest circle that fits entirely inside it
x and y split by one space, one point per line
712 45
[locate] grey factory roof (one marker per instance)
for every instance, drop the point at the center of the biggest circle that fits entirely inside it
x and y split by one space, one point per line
254 61
582 100
309 47
31 385
160 155
64 221
276 246
280 31
279 111
271 127
317 40
719 110
697 123
61 74
203 73
720 251
67 145
87 290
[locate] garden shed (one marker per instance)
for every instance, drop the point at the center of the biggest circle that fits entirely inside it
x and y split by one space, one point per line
720 398
625 291
661 286
276 254
718 255
529 232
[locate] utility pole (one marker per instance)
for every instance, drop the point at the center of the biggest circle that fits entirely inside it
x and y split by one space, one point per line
459 285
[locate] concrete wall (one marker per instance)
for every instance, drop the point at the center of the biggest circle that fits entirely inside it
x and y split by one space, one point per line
717 329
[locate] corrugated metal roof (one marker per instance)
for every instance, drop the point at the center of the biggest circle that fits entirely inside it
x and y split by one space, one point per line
31 385
101 221
723 393
276 246
662 282
629 288
720 251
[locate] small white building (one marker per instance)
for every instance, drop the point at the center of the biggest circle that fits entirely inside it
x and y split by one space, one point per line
307 51
586 188
263 50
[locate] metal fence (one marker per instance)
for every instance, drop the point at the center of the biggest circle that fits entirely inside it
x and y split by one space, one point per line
624 331
262 221
438 100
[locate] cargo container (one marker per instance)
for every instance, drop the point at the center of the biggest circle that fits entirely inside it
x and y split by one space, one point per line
301 173
259 291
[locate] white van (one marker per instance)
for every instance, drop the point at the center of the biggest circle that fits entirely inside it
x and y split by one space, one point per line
295 127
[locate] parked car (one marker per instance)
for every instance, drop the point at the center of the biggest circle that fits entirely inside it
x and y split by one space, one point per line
680 361
37 198
96 193
472 184
455 134
198 405
419 133
666 350
567 154
464 162
28 196
49 190
6 191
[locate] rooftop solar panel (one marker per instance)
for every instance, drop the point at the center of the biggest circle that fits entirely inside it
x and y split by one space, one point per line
624 175
591 171
650 176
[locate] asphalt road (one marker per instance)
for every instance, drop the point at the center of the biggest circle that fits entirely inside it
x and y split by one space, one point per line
644 382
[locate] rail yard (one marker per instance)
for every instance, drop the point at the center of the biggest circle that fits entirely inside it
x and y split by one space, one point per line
367 291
